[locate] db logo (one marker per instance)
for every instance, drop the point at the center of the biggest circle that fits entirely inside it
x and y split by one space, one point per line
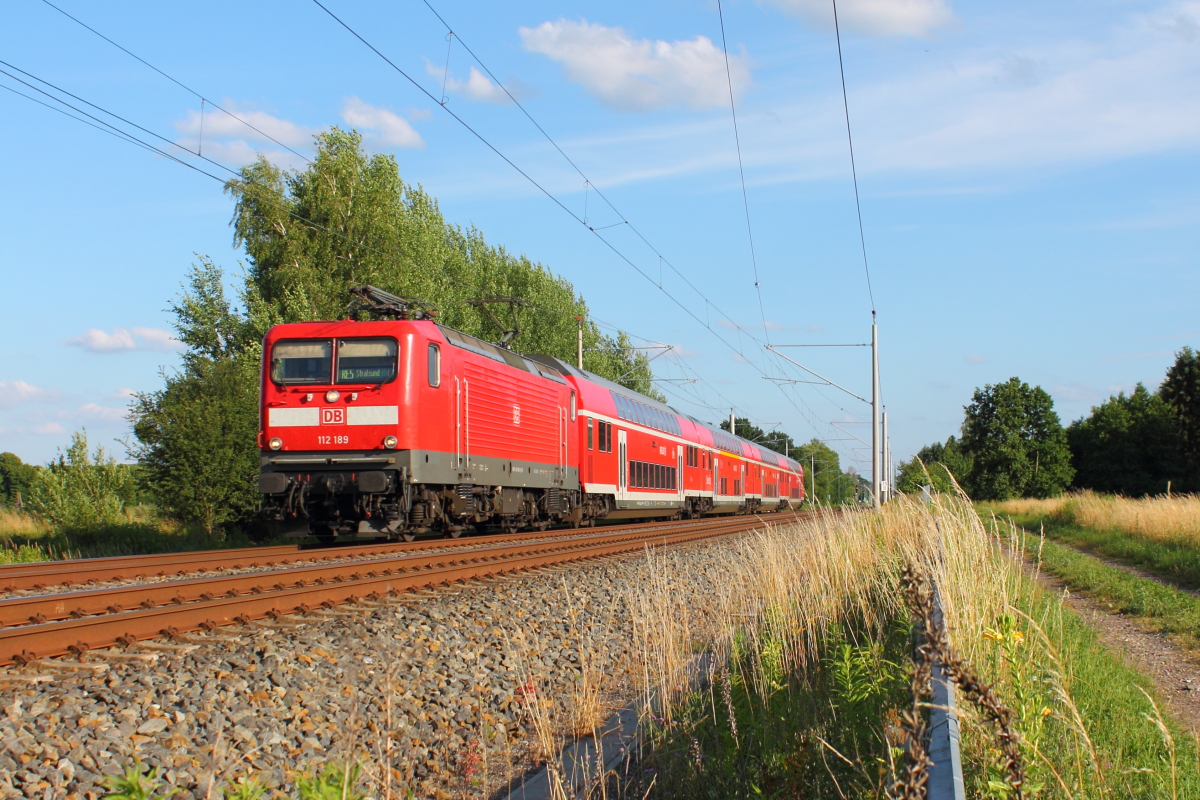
333 416
516 415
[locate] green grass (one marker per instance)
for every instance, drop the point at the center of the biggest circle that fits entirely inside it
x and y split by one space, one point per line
1110 699
1178 561
1161 607
730 742
118 539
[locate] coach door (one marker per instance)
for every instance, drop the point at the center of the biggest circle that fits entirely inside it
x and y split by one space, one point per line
622 465
679 471
716 470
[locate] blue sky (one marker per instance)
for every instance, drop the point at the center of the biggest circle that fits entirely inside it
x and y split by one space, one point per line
1028 178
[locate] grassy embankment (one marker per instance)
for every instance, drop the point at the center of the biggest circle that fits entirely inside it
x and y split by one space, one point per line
810 656
1160 535
24 538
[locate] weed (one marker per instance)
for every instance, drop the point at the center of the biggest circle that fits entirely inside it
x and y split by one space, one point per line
137 783
247 788
332 782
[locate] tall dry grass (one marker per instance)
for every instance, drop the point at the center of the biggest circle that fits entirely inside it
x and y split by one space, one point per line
790 592
1168 519
18 523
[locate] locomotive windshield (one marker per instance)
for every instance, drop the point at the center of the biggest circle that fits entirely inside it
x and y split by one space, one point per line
366 360
308 361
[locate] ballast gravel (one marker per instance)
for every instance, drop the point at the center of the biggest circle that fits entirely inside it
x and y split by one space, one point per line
438 685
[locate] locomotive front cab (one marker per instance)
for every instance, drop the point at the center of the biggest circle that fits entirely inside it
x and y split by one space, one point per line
336 423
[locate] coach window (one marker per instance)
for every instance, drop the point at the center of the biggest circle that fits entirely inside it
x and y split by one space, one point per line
572 406
589 433
435 365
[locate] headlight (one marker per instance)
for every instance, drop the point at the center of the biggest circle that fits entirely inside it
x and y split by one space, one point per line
331 396
390 442
275 443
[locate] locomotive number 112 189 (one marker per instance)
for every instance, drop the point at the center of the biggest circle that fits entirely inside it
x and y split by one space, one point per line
333 440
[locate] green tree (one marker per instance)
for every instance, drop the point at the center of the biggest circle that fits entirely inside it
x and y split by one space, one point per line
349 220
15 477
81 490
937 465
1181 391
1017 445
1129 445
197 435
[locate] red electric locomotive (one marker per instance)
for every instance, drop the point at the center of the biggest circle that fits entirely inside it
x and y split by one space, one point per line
403 427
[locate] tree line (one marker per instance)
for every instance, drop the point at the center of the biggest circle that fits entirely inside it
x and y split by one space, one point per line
1012 443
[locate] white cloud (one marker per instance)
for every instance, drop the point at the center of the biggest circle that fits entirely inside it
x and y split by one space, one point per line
230 141
219 126
477 86
94 411
98 341
15 392
974 359
49 428
385 126
874 17
638 74
124 393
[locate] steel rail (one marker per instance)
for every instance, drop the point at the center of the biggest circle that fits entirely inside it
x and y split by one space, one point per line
25 643
72 572
36 609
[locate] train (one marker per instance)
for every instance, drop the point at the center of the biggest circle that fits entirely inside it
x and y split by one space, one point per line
401 427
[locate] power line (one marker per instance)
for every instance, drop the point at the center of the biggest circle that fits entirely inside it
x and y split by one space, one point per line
125 136
742 173
853 170
130 139
589 184
175 81
587 181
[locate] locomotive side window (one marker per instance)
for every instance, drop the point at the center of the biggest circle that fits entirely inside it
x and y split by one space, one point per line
572 406
308 361
435 365
366 360
590 421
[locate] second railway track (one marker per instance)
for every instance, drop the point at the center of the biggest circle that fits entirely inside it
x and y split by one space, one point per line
39 626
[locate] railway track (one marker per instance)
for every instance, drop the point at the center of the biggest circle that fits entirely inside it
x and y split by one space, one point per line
289 581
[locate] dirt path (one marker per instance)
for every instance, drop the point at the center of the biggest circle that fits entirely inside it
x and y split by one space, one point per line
1174 672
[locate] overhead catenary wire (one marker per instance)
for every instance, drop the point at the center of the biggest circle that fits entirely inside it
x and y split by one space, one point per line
203 99
737 140
853 169
589 185
113 130
616 251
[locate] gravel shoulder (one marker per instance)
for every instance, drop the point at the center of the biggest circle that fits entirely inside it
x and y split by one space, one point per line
432 693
